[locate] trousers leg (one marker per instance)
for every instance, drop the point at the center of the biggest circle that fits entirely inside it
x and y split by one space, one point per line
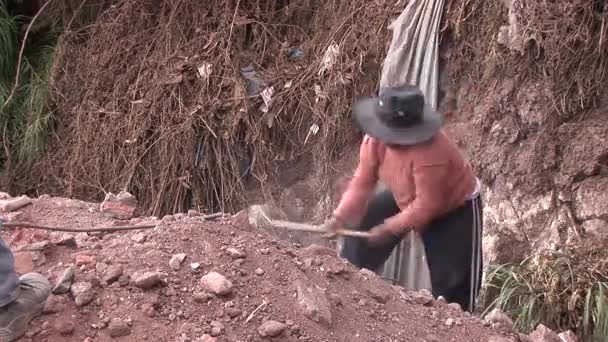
8 278
453 248
357 250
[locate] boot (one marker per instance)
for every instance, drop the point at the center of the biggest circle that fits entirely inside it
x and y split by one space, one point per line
34 289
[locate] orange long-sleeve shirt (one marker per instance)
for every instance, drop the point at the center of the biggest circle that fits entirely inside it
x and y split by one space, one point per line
427 180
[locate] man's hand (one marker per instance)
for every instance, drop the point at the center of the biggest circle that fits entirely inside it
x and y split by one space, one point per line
380 235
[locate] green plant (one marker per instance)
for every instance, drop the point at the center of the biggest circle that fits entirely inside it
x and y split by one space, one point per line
8 48
595 314
31 110
562 290
27 117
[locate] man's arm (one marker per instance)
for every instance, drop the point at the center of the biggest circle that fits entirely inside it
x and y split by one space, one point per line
355 198
428 201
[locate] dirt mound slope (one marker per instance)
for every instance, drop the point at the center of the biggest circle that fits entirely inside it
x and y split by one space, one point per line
136 286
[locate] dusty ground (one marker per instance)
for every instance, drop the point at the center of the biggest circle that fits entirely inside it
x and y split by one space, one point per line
344 305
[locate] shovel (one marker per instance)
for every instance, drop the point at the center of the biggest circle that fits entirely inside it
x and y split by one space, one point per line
317 229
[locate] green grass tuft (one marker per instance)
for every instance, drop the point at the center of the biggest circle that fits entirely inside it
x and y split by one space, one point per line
553 289
28 118
32 110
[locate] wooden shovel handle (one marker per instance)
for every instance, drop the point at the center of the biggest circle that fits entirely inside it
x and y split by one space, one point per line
316 229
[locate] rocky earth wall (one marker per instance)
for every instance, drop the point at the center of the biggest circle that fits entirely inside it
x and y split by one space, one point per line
545 176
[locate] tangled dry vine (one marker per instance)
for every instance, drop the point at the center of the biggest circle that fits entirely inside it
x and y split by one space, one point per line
165 112
565 42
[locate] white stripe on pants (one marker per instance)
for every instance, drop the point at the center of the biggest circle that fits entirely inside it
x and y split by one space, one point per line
476 256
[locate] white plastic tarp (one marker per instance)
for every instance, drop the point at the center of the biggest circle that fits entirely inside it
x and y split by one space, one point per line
413 58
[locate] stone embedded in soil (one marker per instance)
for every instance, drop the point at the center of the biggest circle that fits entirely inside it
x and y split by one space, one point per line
67 240
544 334
207 338
235 253
232 312
36 247
499 317
112 273
124 280
146 280
422 298
591 198
170 292
64 327
38 258
320 250
449 322
54 304
121 206
216 283
336 267
176 261
455 306
568 336
139 237
100 267
118 328
215 331
271 328
378 294
82 292
336 299
64 282
14 204
241 220
216 328
168 218
313 302
202 297
82 240
259 271
148 310
84 259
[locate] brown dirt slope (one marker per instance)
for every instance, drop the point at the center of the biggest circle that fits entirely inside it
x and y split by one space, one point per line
344 304
152 98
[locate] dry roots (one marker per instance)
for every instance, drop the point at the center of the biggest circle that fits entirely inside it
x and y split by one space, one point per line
151 98
565 42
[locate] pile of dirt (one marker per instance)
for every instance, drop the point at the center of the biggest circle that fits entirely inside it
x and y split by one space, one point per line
189 104
194 280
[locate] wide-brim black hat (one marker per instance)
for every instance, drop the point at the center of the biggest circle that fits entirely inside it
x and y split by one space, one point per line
398 116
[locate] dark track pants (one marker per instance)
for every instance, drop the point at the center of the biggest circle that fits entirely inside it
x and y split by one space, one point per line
452 244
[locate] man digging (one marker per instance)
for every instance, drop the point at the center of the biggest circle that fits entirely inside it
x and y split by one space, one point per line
431 189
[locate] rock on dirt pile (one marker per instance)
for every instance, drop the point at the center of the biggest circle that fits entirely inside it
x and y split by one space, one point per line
192 280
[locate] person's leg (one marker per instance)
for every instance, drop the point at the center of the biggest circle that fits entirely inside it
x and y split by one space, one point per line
9 282
453 249
357 250
21 299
